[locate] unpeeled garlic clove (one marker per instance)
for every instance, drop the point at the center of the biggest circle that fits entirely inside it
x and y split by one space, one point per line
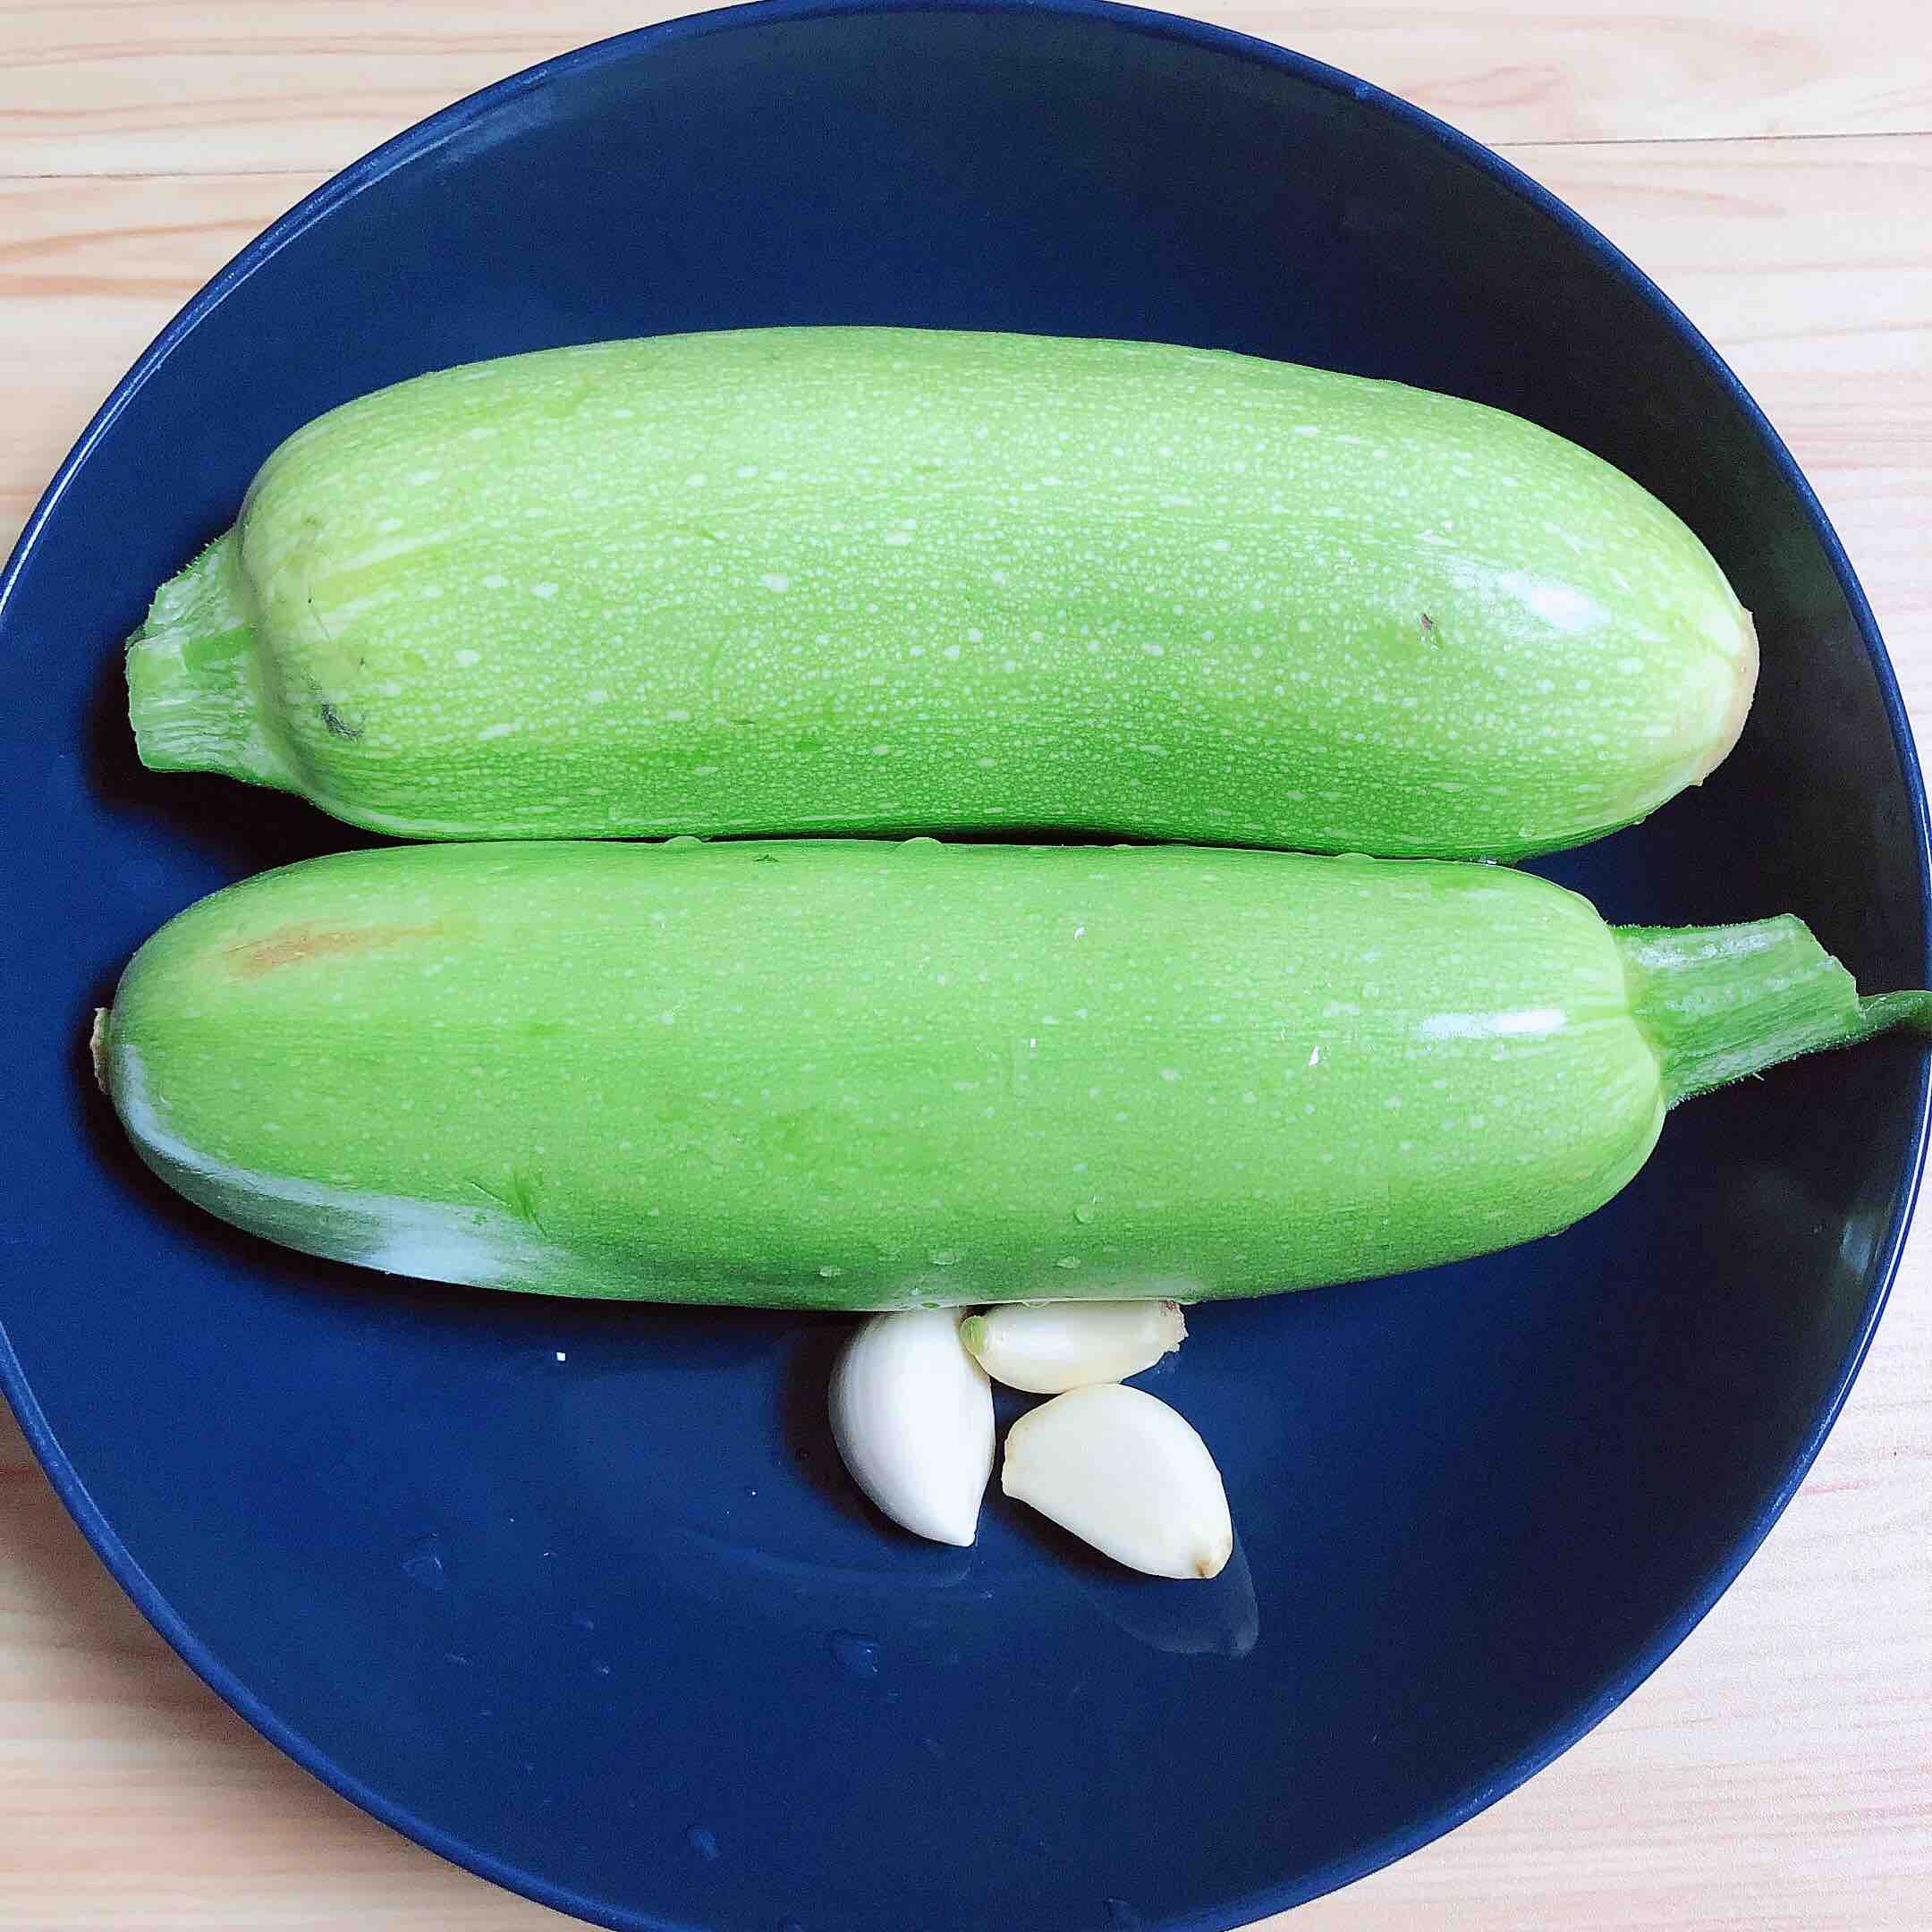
912 1416
1124 1472
1049 1347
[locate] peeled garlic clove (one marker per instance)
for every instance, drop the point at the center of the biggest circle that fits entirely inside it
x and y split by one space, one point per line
912 1416
1052 1346
1122 1471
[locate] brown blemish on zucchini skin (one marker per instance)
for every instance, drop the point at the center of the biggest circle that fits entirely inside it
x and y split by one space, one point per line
297 944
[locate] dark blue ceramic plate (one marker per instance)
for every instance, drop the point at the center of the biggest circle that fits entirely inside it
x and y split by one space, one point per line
577 1594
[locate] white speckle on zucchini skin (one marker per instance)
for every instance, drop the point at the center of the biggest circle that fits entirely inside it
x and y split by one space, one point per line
906 509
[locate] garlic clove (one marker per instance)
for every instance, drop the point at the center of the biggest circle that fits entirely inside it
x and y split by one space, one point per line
912 1416
1049 1347
1124 1472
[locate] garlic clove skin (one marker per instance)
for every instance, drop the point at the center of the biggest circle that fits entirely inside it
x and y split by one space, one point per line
1124 1472
1049 1347
912 1416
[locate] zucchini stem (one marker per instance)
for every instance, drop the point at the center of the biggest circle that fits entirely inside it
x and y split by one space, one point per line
194 693
97 1046
1719 1003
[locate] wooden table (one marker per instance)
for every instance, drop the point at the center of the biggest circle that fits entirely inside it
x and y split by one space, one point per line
1770 163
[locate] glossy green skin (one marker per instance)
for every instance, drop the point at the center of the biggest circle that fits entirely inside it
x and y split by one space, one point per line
874 580
861 1075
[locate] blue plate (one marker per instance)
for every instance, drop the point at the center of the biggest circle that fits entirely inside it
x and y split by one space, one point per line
577 1594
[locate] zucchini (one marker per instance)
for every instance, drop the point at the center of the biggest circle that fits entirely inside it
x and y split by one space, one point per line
871 579
859 1075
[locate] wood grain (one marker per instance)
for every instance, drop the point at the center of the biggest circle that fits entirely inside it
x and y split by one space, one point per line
1776 1776
90 269
1809 263
194 86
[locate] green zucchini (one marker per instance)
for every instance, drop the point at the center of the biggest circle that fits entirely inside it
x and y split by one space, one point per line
866 580
861 1075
